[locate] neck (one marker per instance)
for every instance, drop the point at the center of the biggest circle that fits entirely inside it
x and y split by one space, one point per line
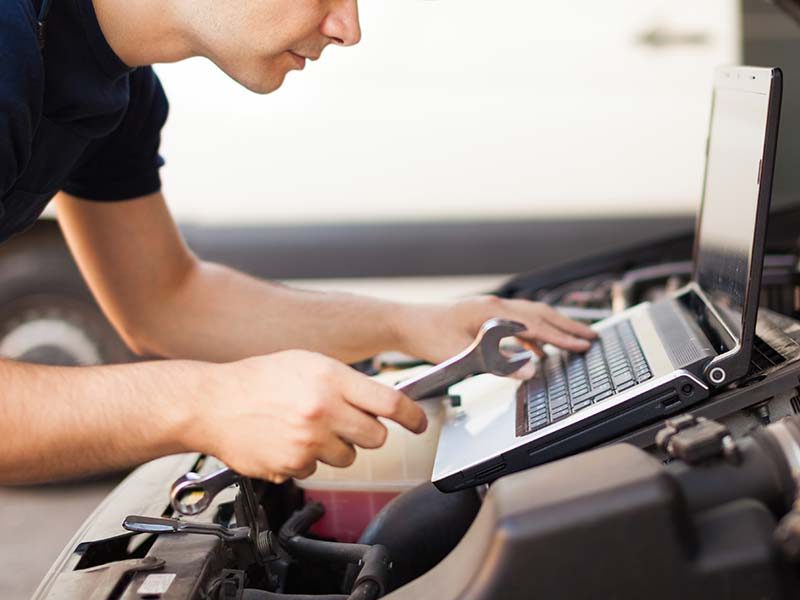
143 32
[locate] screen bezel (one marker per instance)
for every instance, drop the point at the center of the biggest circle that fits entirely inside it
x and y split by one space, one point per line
733 361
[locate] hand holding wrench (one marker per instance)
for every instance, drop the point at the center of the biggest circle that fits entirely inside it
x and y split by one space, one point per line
191 494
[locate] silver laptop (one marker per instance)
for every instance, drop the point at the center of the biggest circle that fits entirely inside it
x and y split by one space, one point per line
654 359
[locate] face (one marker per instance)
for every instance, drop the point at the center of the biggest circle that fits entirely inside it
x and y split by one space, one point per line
257 42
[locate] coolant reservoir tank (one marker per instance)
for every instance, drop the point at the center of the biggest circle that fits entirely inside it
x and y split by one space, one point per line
354 495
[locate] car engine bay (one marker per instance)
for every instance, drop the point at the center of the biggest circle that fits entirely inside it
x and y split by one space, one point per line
709 495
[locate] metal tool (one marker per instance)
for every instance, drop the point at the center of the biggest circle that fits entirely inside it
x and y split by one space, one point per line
191 494
139 524
482 356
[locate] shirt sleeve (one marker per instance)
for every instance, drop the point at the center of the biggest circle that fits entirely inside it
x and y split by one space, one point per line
125 163
21 90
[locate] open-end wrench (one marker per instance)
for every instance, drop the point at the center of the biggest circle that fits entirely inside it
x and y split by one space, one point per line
482 356
191 494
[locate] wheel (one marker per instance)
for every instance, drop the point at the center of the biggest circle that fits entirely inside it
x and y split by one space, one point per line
47 314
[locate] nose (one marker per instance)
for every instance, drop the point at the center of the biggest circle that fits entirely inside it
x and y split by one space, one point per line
341 24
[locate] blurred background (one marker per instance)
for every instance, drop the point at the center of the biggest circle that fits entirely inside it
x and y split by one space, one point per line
459 143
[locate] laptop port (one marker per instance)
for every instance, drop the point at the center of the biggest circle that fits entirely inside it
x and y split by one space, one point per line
670 401
489 471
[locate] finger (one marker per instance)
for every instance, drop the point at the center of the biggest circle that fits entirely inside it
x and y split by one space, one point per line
358 428
548 334
525 372
306 472
570 326
382 401
533 347
286 472
336 452
276 479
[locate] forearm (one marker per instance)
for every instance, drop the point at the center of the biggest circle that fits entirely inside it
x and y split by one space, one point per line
220 314
59 422
270 417
165 302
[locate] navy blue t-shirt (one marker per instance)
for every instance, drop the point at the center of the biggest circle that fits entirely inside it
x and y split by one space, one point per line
73 116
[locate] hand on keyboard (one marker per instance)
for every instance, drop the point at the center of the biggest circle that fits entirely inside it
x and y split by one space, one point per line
437 332
572 382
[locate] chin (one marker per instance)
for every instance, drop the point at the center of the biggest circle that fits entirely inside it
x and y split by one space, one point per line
264 85
259 80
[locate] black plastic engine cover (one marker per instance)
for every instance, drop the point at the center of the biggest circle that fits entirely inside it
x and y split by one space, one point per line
611 523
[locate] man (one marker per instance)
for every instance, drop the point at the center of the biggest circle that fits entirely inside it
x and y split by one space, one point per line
255 377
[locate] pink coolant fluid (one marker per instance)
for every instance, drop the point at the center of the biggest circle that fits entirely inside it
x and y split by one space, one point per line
347 512
353 496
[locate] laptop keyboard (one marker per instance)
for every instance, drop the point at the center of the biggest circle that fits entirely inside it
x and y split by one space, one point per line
572 382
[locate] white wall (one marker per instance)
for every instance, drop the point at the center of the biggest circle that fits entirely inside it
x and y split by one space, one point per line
460 109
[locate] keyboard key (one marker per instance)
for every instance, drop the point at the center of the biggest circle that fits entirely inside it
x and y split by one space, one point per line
622 379
603 396
600 388
591 395
581 405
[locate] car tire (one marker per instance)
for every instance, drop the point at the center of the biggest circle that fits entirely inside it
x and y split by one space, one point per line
47 314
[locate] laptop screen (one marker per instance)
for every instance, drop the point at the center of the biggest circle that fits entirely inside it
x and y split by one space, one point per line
727 222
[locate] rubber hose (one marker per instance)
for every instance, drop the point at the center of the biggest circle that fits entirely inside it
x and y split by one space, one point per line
367 590
251 594
419 528
301 521
320 550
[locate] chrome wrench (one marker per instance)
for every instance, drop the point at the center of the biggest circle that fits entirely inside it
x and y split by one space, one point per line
191 493
482 356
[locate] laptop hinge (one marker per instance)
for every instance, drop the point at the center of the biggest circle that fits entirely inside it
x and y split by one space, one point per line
729 349
707 318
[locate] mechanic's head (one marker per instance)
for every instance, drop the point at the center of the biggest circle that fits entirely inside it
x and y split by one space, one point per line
257 42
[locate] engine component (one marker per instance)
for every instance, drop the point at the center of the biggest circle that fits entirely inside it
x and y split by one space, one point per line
615 522
421 513
695 440
372 560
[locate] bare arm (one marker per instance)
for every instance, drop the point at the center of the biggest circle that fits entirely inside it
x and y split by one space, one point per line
166 302
61 421
269 417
